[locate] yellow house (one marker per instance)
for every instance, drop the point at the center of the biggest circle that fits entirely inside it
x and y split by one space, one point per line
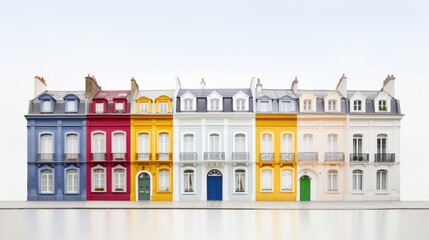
152 146
276 154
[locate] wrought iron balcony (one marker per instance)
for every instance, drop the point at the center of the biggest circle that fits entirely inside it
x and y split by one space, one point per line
266 157
334 157
98 156
46 157
71 157
308 156
384 157
143 156
188 156
214 156
163 156
244 156
119 156
359 157
287 157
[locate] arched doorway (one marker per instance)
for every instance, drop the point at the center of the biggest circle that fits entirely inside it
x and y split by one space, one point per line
304 188
214 185
143 187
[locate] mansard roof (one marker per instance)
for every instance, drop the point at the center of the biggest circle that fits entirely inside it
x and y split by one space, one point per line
205 92
395 107
58 97
154 94
111 95
276 94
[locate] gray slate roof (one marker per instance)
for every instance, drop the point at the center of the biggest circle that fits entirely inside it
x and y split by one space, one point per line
59 102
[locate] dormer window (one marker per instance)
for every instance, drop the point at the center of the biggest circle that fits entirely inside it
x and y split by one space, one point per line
285 106
357 105
307 105
188 104
163 107
357 102
382 105
99 107
332 105
240 104
71 106
264 106
119 107
46 106
71 103
144 107
214 104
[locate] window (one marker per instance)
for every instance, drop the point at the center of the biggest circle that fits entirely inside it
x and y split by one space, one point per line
240 180
144 107
240 142
46 181
332 105
357 180
72 147
214 104
188 104
71 106
332 180
46 106
357 144
99 107
332 143
287 143
266 180
163 146
98 146
382 105
188 143
163 107
381 143
119 183
46 147
285 106
357 105
98 180
118 146
308 142
214 142
264 106
307 105
381 180
189 180
267 147
72 181
240 104
164 180
143 145
119 107
286 180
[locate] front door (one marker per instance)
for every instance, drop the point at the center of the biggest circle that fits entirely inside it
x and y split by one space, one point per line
144 187
304 188
214 185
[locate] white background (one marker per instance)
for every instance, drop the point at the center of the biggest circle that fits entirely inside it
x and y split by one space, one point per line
226 43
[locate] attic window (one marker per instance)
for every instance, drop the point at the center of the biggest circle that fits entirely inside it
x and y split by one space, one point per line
382 105
188 104
214 104
263 106
99 107
119 107
240 104
285 106
357 105
71 106
332 105
46 106
307 105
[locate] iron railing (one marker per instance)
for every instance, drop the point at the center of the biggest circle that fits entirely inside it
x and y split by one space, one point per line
71 157
359 157
98 156
46 157
308 157
384 157
240 156
266 157
118 156
163 156
214 156
143 156
287 157
334 156
188 156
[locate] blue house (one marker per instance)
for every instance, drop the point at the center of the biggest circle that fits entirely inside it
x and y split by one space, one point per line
56 133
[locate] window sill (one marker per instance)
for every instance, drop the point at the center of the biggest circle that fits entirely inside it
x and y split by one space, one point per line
267 191
189 193
287 191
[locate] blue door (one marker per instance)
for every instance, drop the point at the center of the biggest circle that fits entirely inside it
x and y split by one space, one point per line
214 185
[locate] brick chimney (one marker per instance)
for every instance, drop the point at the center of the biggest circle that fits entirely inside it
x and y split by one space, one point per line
294 86
39 86
91 86
342 86
389 85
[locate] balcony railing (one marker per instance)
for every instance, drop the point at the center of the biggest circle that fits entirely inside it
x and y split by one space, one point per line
98 156
308 157
143 156
188 156
266 157
334 156
214 156
118 156
71 157
384 157
359 157
287 157
163 156
46 157
244 156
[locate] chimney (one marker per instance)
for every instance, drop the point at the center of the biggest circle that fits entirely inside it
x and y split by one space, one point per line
91 86
134 86
202 83
39 86
258 85
389 85
294 86
342 86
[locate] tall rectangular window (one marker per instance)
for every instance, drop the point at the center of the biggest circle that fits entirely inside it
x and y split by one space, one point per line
357 105
99 107
163 107
307 105
144 107
267 143
332 143
285 106
46 181
118 143
264 106
357 144
332 180
163 146
119 107
240 104
381 180
308 142
240 180
72 184
214 143
98 180
98 146
286 180
332 105
214 104
188 143
381 143
266 180
72 145
119 182
188 104
189 181
287 143
240 143
143 146
71 106
357 180
46 106
164 180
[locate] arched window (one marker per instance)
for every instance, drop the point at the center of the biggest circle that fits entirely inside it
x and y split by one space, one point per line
72 147
163 147
143 147
98 180
240 180
189 181
332 180
381 180
164 180
46 150
357 180
98 148
72 181
266 180
118 146
119 180
46 181
286 180
267 147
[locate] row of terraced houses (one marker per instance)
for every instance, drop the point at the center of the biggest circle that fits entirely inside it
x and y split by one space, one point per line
231 144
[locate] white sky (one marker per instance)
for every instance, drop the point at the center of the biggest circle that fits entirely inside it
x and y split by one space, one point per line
225 42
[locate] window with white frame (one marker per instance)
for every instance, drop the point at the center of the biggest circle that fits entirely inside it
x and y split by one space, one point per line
382 105
98 147
240 104
357 182
188 143
72 181
381 143
46 181
46 149
285 106
214 142
71 106
72 147
332 180
144 107
214 104
189 181
188 104
286 180
164 180
332 105
163 146
381 180
357 105
287 143
46 106
357 143
98 180
240 180
267 147
266 180
307 105
240 142
143 146
119 107
118 146
163 107
99 107
264 106
119 182
332 143
308 142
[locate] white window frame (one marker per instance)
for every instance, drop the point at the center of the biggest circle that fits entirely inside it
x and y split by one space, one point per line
72 145
264 106
240 142
72 181
307 105
143 145
144 107
188 175
188 142
382 103
71 105
382 180
266 180
164 144
287 143
332 105
240 104
332 142
285 106
46 106
46 181
267 143
357 105
307 140
357 143
215 142
357 180
188 104
119 107
214 104
119 144
164 180
99 107
332 181
242 175
47 147
98 180
98 147
382 143
119 179
284 181
163 107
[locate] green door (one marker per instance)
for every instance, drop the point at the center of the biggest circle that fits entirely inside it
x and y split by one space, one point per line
144 187
304 188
